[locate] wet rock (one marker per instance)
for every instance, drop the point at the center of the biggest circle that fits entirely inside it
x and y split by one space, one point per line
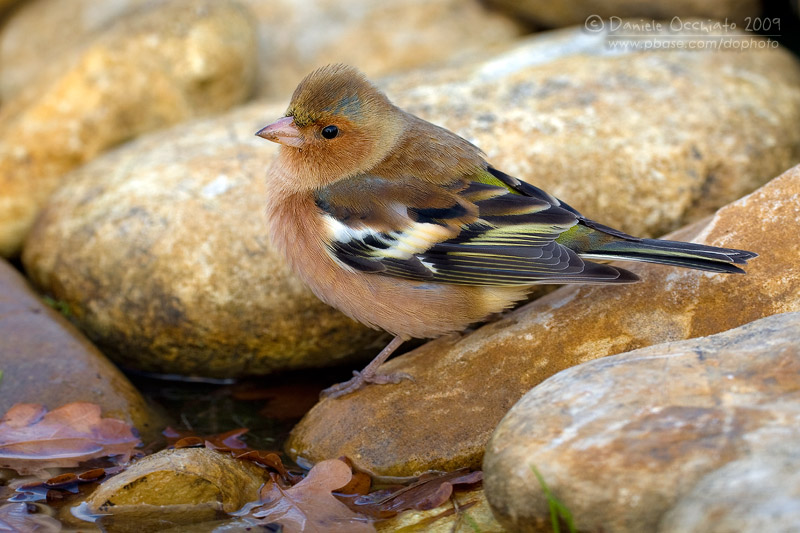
558 14
471 514
160 250
293 38
757 493
161 66
707 422
464 385
175 487
46 361
643 142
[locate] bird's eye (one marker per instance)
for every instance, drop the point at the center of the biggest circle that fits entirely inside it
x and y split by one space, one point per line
329 132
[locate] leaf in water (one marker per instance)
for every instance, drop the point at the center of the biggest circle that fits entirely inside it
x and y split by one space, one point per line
428 492
221 441
15 517
31 439
310 505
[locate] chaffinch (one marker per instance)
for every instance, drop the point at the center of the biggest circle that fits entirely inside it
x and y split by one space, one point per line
404 226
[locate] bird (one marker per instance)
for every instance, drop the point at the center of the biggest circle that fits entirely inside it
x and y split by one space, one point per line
404 226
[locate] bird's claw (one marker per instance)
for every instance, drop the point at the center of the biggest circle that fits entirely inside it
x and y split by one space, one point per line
360 379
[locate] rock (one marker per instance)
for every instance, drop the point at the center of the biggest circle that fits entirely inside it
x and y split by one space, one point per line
160 250
163 65
709 422
756 493
464 385
293 38
472 514
558 14
643 142
5 5
45 360
380 38
171 487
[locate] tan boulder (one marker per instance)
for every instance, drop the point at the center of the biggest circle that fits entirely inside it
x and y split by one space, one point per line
160 250
569 12
759 492
699 430
158 67
45 360
464 385
293 37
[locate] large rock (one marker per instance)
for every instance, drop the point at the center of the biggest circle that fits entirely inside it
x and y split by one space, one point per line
711 424
759 492
293 37
45 360
464 385
160 250
569 12
161 66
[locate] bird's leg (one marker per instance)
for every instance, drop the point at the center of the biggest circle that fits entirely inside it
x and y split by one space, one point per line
369 374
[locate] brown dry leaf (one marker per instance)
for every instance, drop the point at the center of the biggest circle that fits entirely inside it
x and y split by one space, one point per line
221 441
309 506
32 439
15 517
428 492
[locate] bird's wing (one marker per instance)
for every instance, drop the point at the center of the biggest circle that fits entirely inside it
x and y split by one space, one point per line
485 229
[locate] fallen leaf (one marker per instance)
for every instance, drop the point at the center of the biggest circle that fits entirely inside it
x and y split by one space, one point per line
221 441
310 505
15 517
428 492
32 439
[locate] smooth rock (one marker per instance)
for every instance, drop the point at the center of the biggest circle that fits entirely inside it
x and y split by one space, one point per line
293 37
756 493
589 12
379 37
464 385
622 439
643 142
159 67
472 513
172 487
160 250
46 361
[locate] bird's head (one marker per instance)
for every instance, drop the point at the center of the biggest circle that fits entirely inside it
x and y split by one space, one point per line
337 125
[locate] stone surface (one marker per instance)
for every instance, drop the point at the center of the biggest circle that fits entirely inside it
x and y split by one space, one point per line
622 439
473 514
293 37
379 37
464 385
640 141
567 13
176 487
45 360
161 66
160 250
755 493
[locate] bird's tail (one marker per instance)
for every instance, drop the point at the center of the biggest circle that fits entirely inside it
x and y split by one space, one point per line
682 254
595 241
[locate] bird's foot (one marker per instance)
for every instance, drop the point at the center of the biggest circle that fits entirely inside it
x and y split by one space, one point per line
360 379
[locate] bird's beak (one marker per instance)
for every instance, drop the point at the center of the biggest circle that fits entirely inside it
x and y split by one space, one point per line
282 131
